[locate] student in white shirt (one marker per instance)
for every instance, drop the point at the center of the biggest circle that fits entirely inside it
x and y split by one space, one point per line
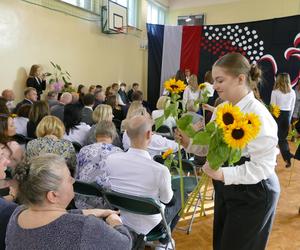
134 172
76 131
191 92
246 195
284 96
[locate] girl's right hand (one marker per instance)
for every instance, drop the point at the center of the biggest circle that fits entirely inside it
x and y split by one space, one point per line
182 138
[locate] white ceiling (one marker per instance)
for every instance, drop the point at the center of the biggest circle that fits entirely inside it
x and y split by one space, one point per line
181 4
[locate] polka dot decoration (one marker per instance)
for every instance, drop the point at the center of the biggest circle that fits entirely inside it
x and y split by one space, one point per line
222 40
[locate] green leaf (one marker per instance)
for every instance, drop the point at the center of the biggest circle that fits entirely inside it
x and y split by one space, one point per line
218 155
159 121
68 73
58 67
234 156
202 138
168 110
184 121
53 64
51 80
210 127
190 132
64 79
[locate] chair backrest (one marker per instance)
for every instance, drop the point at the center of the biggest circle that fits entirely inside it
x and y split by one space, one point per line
88 189
158 158
22 139
77 146
189 183
163 129
187 166
133 204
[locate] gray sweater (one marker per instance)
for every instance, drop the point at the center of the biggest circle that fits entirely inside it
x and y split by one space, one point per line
70 231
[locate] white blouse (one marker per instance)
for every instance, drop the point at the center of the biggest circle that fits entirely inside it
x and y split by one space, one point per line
188 94
170 122
262 151
79 134
158 144
286 101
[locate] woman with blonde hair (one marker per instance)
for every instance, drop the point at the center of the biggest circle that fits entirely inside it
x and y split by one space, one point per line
36 79
50 132
284 96
135 108
102 112
160 105
191 92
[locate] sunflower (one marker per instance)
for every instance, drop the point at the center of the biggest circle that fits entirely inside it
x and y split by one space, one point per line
238 135
202 86
227 115
167 153
275 110
254 123
174 86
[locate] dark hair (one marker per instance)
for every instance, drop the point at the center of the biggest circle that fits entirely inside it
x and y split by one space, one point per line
3 108
135 84
115 85
52 94
4 138
80 86
98 86
236 64
38 110
179 75
108 91
88 99
24 110
72 117
208 77
137 96
112 101
123 84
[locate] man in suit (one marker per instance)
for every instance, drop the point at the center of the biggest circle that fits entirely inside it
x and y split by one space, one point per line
99 98
122 93
30 95
58 109
87 111
52 98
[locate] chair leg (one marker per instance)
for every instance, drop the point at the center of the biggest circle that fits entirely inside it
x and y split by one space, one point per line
194 215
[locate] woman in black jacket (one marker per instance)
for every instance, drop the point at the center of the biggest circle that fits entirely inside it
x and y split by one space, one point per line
36 79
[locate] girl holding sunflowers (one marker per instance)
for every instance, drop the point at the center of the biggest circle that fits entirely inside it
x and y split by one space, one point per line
247 193
284 97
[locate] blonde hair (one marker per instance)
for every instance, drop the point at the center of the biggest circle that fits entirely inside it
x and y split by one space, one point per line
283 83
193 82
136 108
102 112
162 101
33 70
50 125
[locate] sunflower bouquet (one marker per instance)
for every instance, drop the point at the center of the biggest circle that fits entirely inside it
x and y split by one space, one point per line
274 110
225 138
172 109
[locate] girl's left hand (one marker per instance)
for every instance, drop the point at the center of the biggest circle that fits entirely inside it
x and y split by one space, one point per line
214 174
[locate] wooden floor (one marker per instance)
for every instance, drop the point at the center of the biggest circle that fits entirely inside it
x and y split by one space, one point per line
285 234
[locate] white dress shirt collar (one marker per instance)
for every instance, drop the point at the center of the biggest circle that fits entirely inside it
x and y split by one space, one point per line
140 152
245 100
89 107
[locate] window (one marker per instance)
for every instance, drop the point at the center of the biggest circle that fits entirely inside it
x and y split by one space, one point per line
191 20
131 6
85 4
156 13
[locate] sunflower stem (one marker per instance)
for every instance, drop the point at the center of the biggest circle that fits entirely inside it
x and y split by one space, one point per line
181 177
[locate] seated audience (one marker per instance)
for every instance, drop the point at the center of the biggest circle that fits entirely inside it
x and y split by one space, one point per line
3 106
135 87
9 96
192 110
122 93
102 113
76 131
38 110
138 96
45 187
58 109
10 148
117 109
6 207
49 134
158 144
98 88
91 160
52 98
30 97
99 98
87 111
160 105
134 172
22 119
92 89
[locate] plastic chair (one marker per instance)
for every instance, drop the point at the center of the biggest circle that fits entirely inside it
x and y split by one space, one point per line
143 206
87 189
165 131
22 139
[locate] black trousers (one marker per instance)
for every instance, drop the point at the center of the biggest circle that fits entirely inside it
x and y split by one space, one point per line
283 130
243 214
